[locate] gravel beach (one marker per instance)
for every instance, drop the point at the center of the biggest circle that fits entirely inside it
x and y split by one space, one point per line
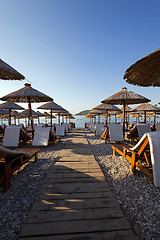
136 194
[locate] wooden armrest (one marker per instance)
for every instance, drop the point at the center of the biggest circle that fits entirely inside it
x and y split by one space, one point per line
129 150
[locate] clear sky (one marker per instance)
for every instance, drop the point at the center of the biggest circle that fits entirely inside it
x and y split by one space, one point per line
77 51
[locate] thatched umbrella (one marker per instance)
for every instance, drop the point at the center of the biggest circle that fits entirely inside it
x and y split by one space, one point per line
10 106
59 113
27 95
51 106
125 97
146 107
146 71
9 73
107 108
91 116
97 112
137 116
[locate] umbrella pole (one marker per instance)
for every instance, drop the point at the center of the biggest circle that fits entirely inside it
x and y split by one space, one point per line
99 119
9 116
144 116
106 117
124 105
51 118
154 117
30 110
59 118
15 120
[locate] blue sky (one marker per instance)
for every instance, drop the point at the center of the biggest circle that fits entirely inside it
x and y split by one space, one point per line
76 51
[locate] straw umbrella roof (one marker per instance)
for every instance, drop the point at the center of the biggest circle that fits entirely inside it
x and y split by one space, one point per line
50 106
13 114
10 105
49 116
146 71
126 96
27 113
136 115
27 95
104 106
24 93
127 108
146 107
9 73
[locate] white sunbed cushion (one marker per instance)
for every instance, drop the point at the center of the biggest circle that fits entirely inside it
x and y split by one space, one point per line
142 129
60 130
66 126
115 132
11 137
41 137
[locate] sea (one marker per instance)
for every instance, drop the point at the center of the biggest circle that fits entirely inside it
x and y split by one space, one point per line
79 120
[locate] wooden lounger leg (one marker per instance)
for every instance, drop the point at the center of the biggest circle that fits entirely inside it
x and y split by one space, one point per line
133 163
114 151
7 177
36 157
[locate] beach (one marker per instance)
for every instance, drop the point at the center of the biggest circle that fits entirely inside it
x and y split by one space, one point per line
136 194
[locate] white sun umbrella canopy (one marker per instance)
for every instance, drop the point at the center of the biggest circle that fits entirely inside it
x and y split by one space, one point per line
51 106
27 95
10 106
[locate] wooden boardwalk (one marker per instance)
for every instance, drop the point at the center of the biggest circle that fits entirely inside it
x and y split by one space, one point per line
75 200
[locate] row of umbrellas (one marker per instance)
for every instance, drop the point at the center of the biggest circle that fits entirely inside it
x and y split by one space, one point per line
124 97
29 95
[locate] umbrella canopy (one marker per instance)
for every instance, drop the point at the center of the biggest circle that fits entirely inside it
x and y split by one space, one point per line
125 97
107 108
10 106
27 95
59 112
51 106
9 73
97 112
13 114
146 71
146 107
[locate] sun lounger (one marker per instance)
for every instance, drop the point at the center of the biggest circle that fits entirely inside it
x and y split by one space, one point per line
145 155
11 137
115 132
43 136
99 129
11 161
66 126
60 130
105 135
142 129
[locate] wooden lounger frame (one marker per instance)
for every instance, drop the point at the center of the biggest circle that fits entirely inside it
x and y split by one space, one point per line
140 158
7 168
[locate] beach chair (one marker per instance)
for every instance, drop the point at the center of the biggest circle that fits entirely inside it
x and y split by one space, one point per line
11 161
158 126
43 136
66 126
115 132
99 129
60 131
11 136
142 129
105 135
145 155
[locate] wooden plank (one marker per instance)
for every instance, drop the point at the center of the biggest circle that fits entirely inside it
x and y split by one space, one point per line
70 215
50 180
72 204
74 195
113 235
